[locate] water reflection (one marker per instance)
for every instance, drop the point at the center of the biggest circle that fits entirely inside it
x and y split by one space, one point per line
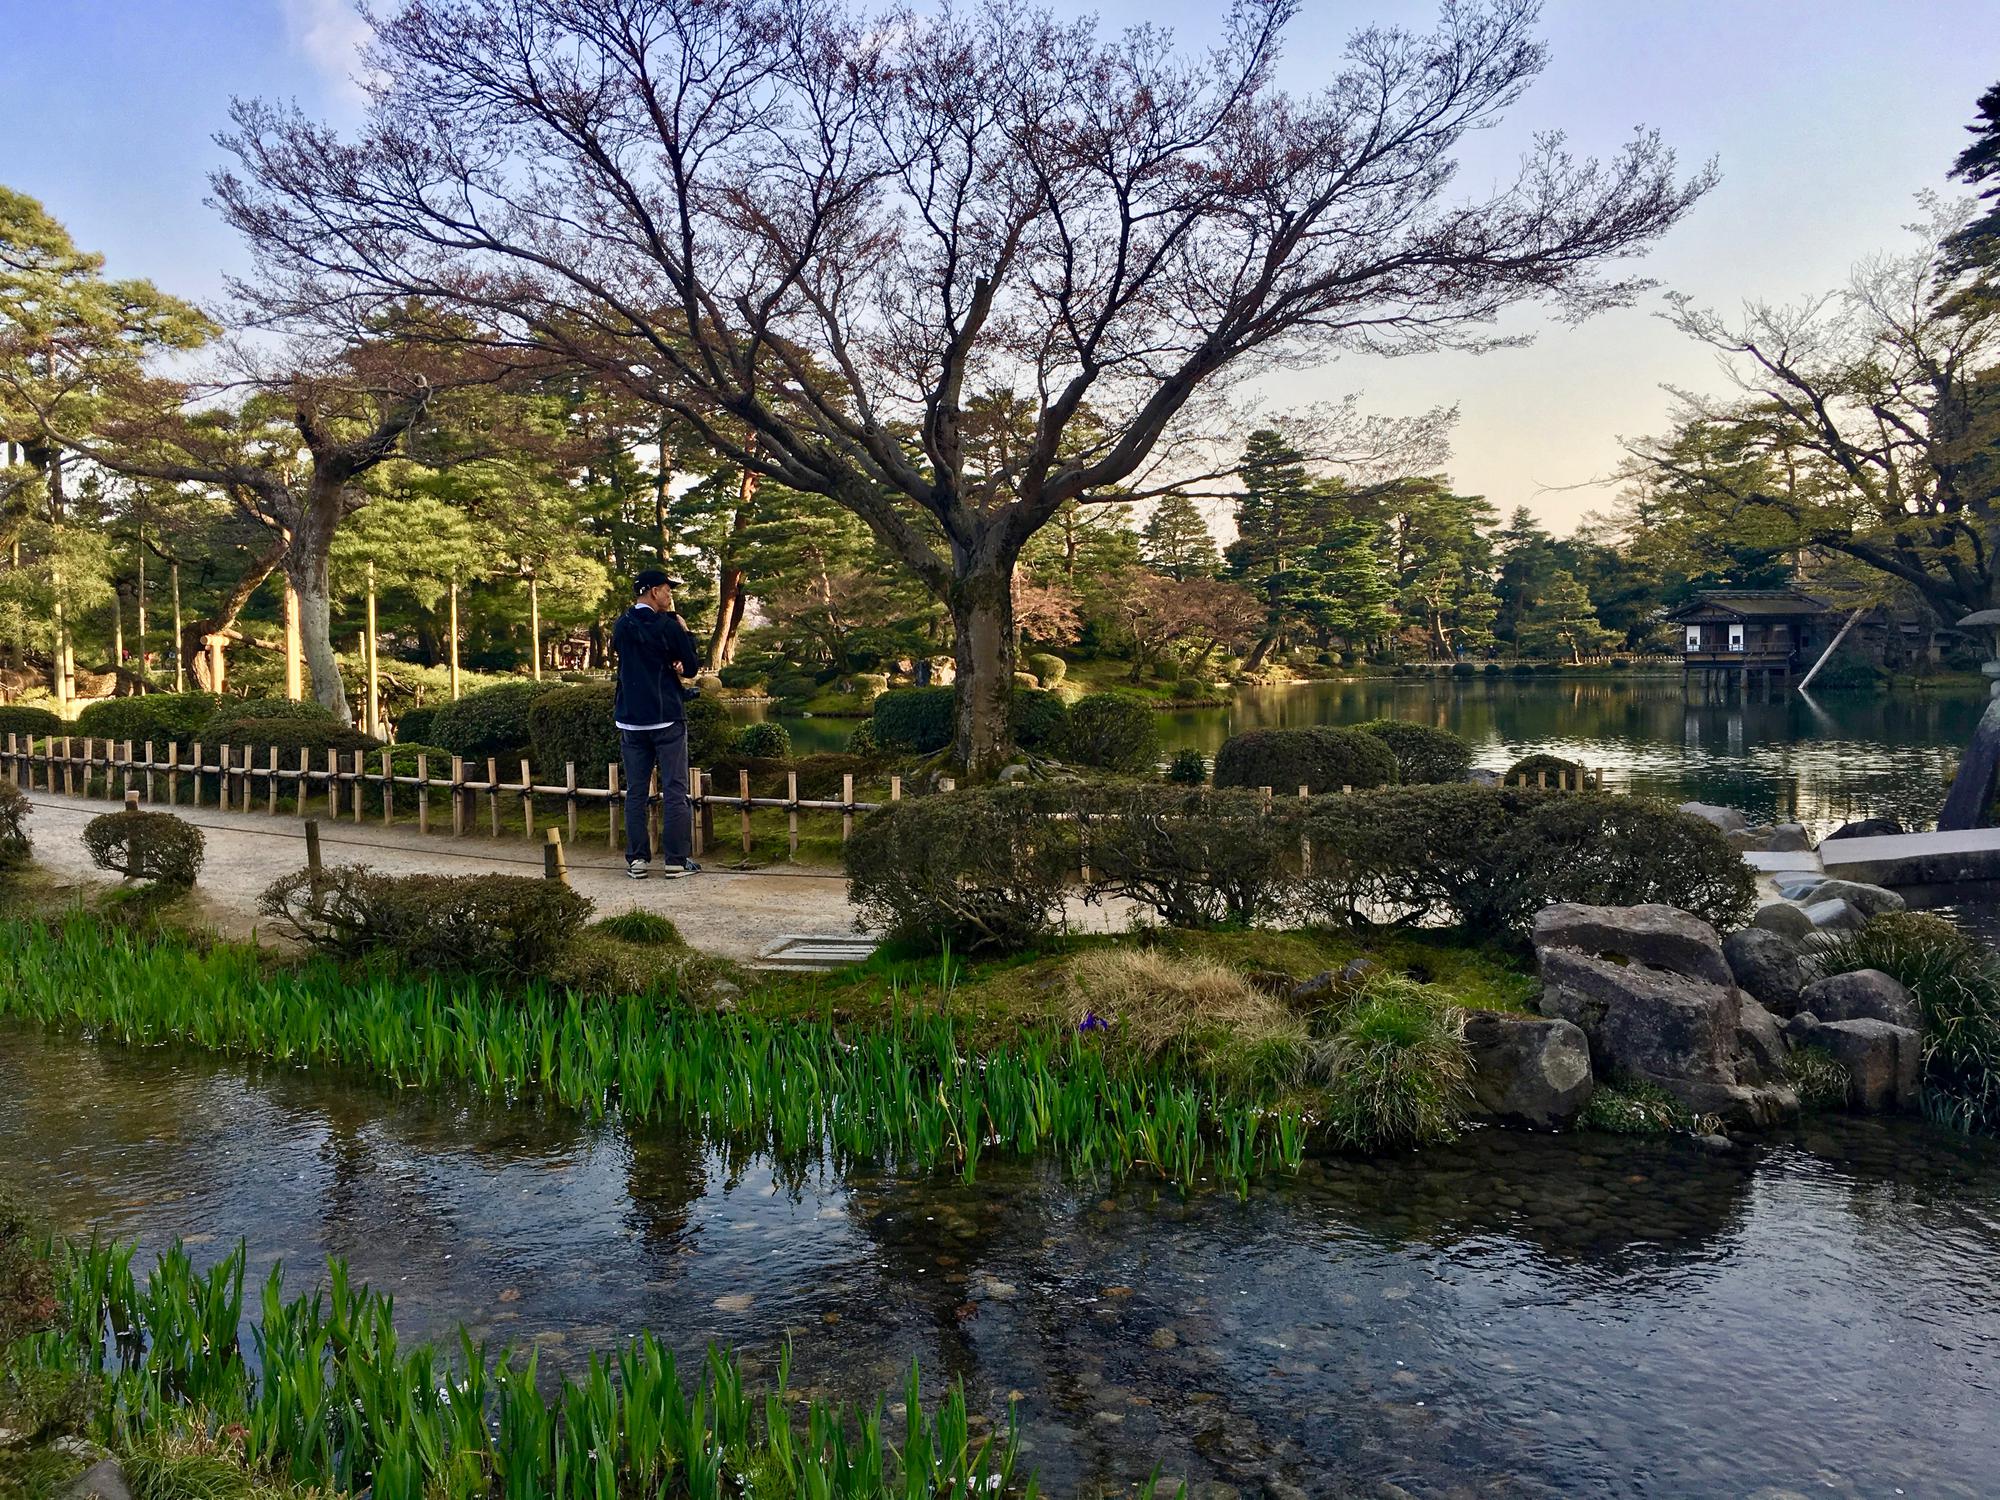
1820 761
1514 1317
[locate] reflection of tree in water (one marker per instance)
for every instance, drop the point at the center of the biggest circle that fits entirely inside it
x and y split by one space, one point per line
666 1176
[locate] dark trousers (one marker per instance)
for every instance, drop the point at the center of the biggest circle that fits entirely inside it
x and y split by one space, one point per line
667 750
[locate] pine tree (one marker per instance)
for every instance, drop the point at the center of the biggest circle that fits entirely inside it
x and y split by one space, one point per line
1176 540
1272 533
1564 618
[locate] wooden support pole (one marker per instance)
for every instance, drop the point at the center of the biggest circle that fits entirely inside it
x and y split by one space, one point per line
149 771
493 793
554 866
457 797
173 774
131 802
180 635
527 800
423 792
792 815
388 787
295 676
313 866
535 622
846 806
271 791
705 810
453 632
372 713
615 821
569 796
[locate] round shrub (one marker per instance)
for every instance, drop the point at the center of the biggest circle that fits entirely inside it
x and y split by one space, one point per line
1423 753
1049 667
795 686
1113 732
163 718
1528 770
1522 669
1398 1071
1491 669
1597 849
710 730
1463 669
143 845
743 674
862 740
868 686
643 929
515 926
915 720
29 722
403 762
978 870
765 740
15 844
1188 768
1405 855
1322 758
419 723
575 726
1040 720
232 712
492 722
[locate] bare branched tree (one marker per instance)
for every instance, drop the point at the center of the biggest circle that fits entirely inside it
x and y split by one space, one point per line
814 234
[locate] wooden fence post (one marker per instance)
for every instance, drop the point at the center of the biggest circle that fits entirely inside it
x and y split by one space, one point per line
569 796
313 866
388 787
792 815
554 866
174 773
743 784
131 802
493 793
613 822
457 796
846 806
423 792
527 801
705 810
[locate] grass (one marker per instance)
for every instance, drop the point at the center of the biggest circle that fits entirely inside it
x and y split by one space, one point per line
1396 1071
1820 1079
903 1090
1637 1108
324 1400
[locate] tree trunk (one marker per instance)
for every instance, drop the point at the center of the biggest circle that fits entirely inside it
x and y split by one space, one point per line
307 569
982 615
191 636
728 603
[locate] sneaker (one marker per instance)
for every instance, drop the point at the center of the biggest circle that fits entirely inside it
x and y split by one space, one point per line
636 869
680 871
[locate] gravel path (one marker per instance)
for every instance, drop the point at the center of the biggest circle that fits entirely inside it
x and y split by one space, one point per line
734 914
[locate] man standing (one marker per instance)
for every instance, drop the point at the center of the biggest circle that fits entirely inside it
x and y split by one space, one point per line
655 652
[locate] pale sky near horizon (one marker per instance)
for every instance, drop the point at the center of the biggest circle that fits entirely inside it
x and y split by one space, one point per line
1826 117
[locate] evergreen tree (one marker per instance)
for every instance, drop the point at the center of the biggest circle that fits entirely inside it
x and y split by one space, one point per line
1176 540
1563 618
1272 533
1441 561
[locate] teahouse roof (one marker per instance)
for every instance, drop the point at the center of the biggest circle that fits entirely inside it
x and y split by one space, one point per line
1748 604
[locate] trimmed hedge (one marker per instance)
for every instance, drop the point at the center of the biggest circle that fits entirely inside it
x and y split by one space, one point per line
1040 720
764 740
233 712
315 735
1320 757
573 725
142 845
1048 668
1113 732
1525 770
416 724
501 925
27 720
1423 754
492 722
915 720
164 718
15 845
986 868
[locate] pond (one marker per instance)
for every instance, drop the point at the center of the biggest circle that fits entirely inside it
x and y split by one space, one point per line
1514 1316
1821 761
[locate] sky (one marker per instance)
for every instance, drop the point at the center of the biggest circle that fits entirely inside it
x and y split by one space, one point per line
1826 118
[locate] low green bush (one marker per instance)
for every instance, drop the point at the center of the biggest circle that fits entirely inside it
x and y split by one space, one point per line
497 925
1397 1072
1049 668
861 741
286 735
575 725
1040 720
1530 770
1423 753
1188 768
868 686
1598 849
1463 669
16 846
1112 732
793 687
232 713
163 718
1196 857
710 730
142 845
980 870
915 720
1956 984
1321 757
744 674
645 929
1634 1108
492 722
417 724
1413 855
29 722
767 740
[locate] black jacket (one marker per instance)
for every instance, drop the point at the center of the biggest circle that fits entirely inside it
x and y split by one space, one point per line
655 652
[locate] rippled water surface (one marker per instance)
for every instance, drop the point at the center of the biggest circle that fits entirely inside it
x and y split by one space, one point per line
1821 761
1516 1316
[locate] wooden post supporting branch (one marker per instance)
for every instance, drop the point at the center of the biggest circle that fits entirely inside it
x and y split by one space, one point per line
535 621
372 716
1832 646
295 677
180 638
454 638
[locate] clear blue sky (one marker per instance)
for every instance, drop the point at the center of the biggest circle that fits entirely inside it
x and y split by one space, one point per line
1827 116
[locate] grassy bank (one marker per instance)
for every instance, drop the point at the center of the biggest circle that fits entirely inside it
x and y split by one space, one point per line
155 1371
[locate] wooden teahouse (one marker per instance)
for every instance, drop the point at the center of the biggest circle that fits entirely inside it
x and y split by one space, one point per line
1750 639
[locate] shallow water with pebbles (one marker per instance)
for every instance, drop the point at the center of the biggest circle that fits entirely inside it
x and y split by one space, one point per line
1513 1316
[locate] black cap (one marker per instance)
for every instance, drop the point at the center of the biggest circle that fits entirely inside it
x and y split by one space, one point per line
652 578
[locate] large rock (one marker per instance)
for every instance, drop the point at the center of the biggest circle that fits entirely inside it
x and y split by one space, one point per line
1528 1071
1834 915
1771 966
1781 917
1659 937
1884 1063
1728 819
1867 828
1760 1045
1789 838
1797 885
1864 995
1869 900
101 1481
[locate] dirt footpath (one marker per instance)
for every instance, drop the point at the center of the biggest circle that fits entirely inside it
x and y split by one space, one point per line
734 914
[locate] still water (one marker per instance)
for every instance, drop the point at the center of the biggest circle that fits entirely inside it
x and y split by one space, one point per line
1821 761
1516 1316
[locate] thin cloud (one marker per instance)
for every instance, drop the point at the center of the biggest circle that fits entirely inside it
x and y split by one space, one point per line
330 35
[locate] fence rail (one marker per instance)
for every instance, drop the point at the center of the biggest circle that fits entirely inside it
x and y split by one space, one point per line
347 785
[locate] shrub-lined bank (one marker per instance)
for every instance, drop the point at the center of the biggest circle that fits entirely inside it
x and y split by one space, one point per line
903 1092
156 1370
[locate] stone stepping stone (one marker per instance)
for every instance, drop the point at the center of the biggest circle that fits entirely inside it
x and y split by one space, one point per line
814 952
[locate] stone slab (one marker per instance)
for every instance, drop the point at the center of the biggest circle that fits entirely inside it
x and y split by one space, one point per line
814 952
1784 862
1916 858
